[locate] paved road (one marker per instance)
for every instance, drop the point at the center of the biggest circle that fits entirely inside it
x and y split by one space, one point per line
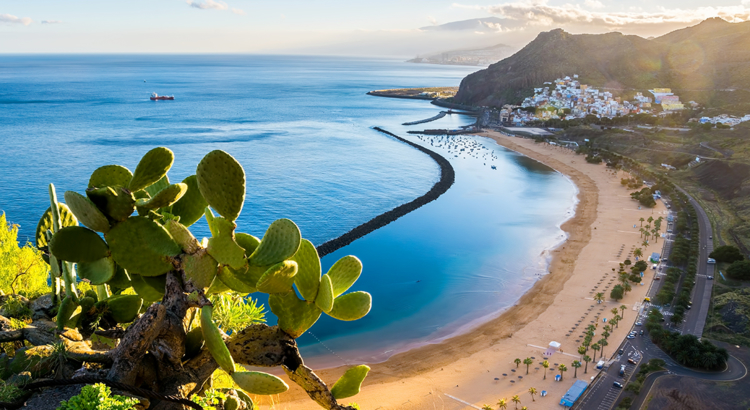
695 319
603 394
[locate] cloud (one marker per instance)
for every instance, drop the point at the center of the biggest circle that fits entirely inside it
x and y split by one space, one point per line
11 19
540 13
208 5
51 21
594 4
434 21
239 12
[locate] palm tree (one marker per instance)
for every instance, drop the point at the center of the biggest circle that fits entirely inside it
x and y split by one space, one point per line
641 221
582 350
599 297
517 362
644 244
562 368
576 364
527 361
532 392
502 404
515 399
586 359
614 311
603 343
650 219
524 408
545 364
623 308
487 407
595 347
638 252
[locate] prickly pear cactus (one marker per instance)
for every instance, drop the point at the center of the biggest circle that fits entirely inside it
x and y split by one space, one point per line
136 233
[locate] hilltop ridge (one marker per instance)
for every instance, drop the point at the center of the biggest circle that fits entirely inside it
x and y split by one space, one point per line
710 56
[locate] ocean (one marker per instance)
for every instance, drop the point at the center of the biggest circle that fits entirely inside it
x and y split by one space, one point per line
302 128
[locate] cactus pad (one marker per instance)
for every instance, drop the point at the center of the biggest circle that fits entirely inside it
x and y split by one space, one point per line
221 181
278 278
45 223
151 289
98 272
200 269
157 186
248 242
194 342
237 280
281 241
190 207
214 341
182 236
121 279
65 311
324 300
351 306
295 315
217 286
124 308
110 175
116 202
166 197
222 245
344 273
87 212
308 272
142 246
259 383
349 384
152 167
78 244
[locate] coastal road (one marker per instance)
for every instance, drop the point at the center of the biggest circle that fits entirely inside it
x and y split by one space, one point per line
603 394
695 318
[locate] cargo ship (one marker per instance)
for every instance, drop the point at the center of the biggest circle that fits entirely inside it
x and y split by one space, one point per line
156 97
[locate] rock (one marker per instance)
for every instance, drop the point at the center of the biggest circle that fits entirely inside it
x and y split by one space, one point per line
43 306
19 379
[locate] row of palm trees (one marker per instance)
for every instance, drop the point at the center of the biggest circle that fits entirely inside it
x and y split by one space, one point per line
503 403
647 232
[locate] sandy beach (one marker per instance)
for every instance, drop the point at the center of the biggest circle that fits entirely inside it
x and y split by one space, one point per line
477 367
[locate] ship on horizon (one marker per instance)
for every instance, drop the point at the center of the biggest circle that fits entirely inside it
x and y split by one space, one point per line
156 97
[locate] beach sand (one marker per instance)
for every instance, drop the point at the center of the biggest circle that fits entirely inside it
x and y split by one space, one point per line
464 368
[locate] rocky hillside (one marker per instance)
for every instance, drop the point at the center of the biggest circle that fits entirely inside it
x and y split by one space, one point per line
700 60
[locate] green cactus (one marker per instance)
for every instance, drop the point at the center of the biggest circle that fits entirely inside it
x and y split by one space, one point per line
214 341
217 286
67 218
245 398
344 273
222 245
281 241
278 278
247 242
349 384
153 189
194 342
98 272
116 202
200 269
110 175
351 306
87 212
259 383
65 311
324 300
142 246
152 167
295 315
164 198
78 244
237 280
221 181
231 403
191 206
308 272
182 236
151 289
124 308
121 279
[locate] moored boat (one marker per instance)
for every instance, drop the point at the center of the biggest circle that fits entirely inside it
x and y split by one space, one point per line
156 97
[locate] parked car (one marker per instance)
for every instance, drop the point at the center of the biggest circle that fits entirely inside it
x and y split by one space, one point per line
641 333
621 351
638 323
709 277
630 337
617 384
631 361
622 370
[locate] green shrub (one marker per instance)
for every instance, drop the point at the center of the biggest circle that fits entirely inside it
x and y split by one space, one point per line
726 253
739 270
97 397
22 269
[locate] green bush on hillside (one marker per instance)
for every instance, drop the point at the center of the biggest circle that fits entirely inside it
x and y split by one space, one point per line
739 270
98 397
726 253
22 269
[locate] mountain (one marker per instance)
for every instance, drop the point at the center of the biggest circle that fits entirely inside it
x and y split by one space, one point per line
477 56
483 25
695 61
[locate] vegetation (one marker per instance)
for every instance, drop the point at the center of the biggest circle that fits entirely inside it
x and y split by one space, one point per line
726 253
645 197
98 397
22 269
685 349
739 270
653 365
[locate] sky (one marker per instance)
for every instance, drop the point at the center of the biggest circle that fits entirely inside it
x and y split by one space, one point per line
336 27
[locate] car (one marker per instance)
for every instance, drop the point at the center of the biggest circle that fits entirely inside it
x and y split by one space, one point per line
621 351
638 323
641 333
631 361
710 237
630 337
617 384
709 277
622 370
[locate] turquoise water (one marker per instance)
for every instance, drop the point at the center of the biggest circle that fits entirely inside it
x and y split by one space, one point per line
301 127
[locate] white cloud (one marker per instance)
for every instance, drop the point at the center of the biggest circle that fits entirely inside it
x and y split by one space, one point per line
594 4
11 19
51 21
239 12
432 20
540 13
208 4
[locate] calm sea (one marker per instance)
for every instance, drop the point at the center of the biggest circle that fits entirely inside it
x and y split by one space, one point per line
301 127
